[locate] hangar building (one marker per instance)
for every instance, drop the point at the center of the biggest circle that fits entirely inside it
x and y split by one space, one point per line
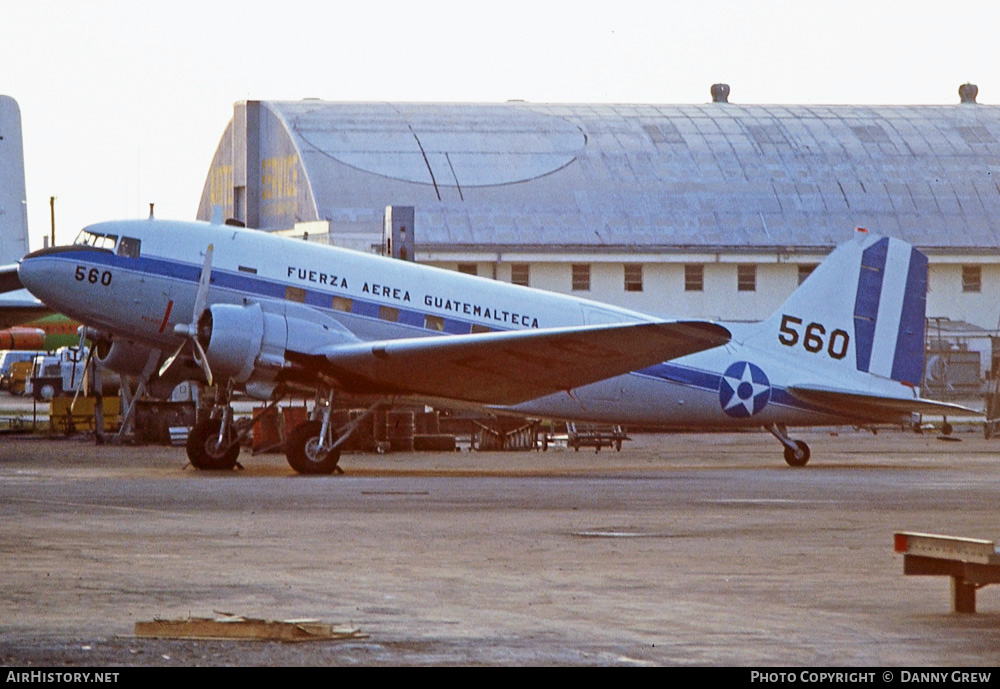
715 210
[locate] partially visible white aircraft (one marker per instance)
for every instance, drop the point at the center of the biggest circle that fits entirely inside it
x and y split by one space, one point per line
16 305
268 314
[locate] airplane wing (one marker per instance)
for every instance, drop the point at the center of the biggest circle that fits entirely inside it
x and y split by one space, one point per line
17 305
853 403
509 367
9 281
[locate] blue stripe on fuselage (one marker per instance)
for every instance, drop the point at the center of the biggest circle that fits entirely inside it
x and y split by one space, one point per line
256 286
710 381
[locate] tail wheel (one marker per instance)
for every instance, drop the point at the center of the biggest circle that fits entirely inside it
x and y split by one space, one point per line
303 453
204 451
794 461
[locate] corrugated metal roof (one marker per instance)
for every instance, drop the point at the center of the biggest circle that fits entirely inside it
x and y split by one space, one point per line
522 174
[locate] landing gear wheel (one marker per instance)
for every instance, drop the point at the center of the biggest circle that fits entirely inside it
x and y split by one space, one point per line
302 453
794 461
204 452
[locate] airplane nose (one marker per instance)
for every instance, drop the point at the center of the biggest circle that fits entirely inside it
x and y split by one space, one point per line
34 273
26 273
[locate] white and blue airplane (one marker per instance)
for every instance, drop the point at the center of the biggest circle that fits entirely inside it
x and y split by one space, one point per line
270 315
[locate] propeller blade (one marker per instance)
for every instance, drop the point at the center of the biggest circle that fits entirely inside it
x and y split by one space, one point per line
203 360
190 330
201 297
171 359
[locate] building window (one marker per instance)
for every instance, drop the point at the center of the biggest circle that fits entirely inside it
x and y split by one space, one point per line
633 277
468 268
694 277
520 273
972 278
581 277
746 277
805 270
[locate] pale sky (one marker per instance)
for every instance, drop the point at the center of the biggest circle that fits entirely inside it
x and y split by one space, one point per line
123 103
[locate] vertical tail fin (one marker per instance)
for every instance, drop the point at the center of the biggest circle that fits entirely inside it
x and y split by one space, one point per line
864 305
13 211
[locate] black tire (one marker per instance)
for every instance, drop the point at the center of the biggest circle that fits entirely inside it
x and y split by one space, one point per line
790 457
202 451
300 450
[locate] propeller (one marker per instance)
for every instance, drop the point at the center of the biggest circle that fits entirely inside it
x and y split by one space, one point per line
190 330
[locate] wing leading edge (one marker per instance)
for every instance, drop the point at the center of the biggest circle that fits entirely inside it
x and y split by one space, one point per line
513 366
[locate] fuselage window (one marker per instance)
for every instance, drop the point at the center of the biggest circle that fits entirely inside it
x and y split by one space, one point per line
129 247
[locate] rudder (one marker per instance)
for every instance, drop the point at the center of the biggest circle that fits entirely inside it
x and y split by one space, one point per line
889 314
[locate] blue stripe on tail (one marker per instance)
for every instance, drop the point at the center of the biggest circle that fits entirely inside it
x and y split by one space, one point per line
908 362
866 302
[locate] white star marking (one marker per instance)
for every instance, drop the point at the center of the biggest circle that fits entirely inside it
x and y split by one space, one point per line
755 390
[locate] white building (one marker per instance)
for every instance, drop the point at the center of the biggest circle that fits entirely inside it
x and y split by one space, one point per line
715 210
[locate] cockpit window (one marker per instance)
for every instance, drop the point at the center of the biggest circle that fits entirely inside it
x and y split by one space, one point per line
129 247
95 239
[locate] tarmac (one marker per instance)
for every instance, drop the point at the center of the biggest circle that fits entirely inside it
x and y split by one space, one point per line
681 550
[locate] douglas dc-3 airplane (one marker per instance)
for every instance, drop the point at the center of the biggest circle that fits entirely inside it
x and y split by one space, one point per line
269 315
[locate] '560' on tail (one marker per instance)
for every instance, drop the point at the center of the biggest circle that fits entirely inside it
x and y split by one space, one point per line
860 311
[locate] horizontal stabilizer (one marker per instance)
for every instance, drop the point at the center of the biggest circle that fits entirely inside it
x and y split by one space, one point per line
876 407
513 366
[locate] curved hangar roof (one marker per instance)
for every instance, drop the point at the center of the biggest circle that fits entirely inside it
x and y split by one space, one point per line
644 176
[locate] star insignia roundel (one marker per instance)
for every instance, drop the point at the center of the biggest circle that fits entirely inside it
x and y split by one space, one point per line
744 390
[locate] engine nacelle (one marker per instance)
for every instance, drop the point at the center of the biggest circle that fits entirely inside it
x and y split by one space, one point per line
122 356
248 344
232 337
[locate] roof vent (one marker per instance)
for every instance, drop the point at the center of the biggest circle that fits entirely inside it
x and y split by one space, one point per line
968 93
720 93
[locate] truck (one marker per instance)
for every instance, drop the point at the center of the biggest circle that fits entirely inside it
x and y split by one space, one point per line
7 359
57 374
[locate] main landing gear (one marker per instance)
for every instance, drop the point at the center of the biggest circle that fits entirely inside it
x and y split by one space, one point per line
214 444
796 451
312 447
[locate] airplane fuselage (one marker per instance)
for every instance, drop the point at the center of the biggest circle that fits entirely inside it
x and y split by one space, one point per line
141 289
